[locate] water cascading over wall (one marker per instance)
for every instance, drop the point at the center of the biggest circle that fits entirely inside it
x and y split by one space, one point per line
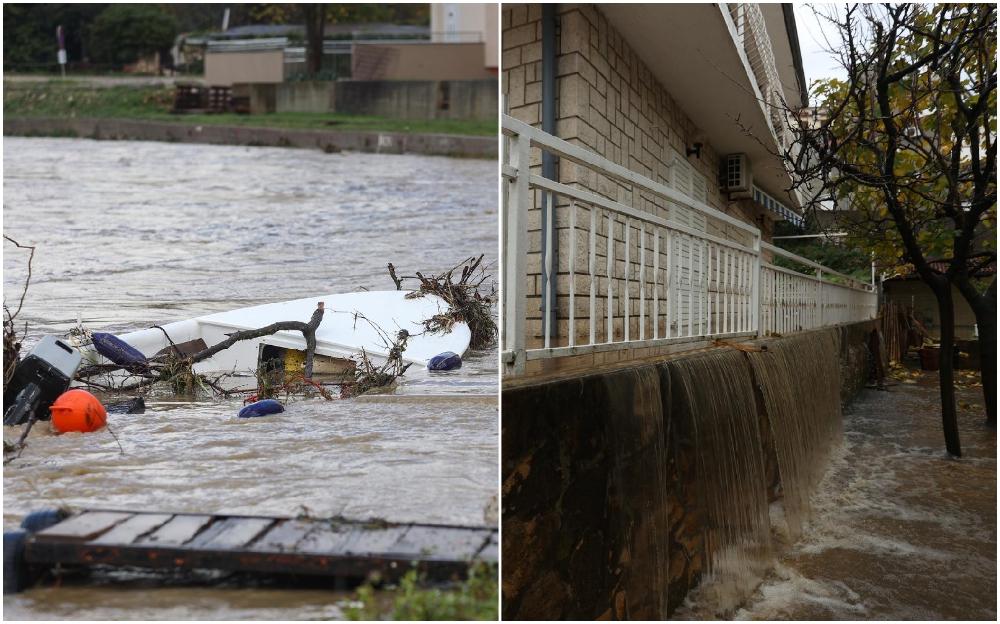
799 380
625 490
714 391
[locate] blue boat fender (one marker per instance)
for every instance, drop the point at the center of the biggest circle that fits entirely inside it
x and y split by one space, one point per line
117 350
261 408
445 361
42 519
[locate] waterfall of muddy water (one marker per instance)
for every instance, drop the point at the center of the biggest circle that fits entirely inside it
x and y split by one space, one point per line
898 530
131 234
639 467
718 390
799 377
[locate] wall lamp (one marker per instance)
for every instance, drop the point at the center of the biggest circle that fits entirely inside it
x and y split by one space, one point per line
695 149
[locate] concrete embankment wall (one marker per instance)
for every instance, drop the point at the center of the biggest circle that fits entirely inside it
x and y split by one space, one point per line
330 141
608 476
395 99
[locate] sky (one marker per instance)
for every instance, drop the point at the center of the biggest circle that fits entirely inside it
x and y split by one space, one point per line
816 62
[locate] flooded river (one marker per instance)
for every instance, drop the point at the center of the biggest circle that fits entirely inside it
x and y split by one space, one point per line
131 234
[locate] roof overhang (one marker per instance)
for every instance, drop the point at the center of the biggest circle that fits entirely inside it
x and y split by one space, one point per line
692 51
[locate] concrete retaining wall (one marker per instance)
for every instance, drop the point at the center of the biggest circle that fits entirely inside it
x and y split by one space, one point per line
330 141
303 97
396 99
418 99
601 515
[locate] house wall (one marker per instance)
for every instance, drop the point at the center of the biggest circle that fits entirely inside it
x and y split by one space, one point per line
609 103
470 18
419 61
223 69
914 293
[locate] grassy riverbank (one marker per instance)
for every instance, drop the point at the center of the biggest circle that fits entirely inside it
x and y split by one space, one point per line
69 99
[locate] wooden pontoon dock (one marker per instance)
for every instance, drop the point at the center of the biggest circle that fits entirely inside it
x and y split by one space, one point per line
259 544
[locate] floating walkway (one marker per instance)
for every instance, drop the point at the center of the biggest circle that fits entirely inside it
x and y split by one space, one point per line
258 544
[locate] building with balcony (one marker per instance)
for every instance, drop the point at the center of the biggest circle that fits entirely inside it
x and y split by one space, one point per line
657 140
644 172
644 85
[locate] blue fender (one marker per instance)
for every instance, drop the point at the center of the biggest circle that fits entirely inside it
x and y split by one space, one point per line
42 519
117 350
261 408
445 361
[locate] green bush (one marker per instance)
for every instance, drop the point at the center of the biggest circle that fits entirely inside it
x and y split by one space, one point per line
474 599
124 33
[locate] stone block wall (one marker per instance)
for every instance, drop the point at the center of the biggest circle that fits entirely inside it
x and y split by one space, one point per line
609 102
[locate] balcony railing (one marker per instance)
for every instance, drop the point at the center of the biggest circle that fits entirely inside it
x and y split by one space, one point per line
750 33
653 269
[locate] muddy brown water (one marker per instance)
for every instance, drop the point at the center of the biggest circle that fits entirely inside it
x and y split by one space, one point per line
898 530
129 234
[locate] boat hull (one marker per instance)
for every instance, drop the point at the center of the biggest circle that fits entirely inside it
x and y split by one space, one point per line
352 322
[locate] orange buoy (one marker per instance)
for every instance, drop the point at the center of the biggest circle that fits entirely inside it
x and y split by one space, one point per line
78 410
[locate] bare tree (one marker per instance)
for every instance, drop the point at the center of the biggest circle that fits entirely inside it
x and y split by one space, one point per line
909 142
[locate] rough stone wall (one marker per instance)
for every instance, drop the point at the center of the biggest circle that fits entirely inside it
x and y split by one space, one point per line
610 103
600 483
585 498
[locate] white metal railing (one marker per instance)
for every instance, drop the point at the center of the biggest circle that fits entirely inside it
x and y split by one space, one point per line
751 35
641 264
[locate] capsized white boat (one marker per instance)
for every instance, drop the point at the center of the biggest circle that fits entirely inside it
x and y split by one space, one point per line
343 333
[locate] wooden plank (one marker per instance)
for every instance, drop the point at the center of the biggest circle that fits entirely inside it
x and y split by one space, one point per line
284 536
230 533
85 526
326 539
177 531
186 348
375 542
428 542
133 528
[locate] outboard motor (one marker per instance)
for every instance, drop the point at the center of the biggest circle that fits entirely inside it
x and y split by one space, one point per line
38 380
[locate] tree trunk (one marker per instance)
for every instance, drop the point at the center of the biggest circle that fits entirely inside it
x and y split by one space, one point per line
984 306
988 362
946 372
315 19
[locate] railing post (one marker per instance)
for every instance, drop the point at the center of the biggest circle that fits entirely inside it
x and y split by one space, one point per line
819 297
516 248
755 287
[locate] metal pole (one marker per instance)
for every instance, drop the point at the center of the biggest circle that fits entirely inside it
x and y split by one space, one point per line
550 242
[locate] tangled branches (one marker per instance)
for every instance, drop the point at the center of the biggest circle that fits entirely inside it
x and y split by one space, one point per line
11 340
465 301
178 371
367 375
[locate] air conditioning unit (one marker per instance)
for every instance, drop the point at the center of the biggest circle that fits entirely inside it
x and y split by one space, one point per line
736 177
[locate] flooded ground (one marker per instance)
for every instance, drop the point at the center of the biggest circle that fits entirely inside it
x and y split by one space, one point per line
900 531
131 234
